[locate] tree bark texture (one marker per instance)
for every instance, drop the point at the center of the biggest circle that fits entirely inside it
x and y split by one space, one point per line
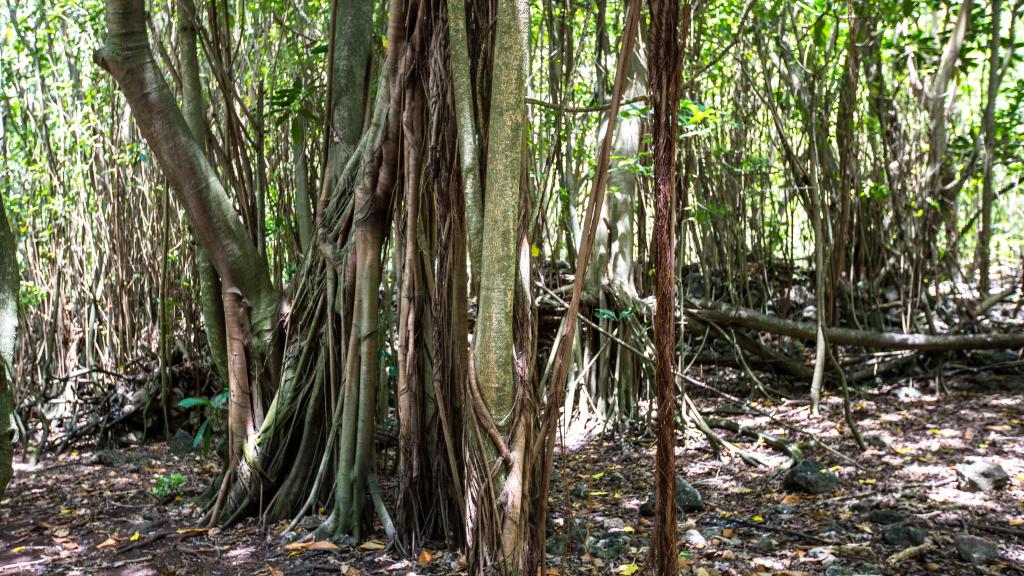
665 63
9 285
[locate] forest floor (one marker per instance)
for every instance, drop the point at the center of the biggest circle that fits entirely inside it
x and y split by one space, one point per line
92 512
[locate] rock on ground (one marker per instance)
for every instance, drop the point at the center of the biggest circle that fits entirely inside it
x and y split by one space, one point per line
905 536
975 550
688 499
982 475
810 477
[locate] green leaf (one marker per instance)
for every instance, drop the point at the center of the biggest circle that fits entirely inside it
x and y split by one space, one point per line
192 402
219 400
200 434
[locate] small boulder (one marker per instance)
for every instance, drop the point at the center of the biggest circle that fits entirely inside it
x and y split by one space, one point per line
613 524
879 442
810 477
311 522
579 530
975 550
822 555
908 394
608 546
865 505
580 491
614 479
694 538
981 475
688 498
766 544
647 508
905 536
182 442
785 509
555 545
885 516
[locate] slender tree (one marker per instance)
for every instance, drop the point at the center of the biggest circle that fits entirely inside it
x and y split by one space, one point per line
9 285
988 125
665 62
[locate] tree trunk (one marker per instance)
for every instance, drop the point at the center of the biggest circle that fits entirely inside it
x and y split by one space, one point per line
665 63
194 110
251 303
935 98
9 285
982 255
496 505
469 150
348 84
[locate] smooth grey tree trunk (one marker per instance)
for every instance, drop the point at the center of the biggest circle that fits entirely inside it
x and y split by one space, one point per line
194 109
983 254
351 29
8 329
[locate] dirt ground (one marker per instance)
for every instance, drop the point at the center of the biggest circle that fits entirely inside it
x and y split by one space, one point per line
92 512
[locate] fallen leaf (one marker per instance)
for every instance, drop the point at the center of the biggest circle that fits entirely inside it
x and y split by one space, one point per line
274 571
728 532
107 543
192 530
424 557
791 499
135 536
1015 521
371 545
311 545
627 569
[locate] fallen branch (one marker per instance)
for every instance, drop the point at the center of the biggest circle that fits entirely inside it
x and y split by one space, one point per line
912 552
780 444
852 337
804 536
